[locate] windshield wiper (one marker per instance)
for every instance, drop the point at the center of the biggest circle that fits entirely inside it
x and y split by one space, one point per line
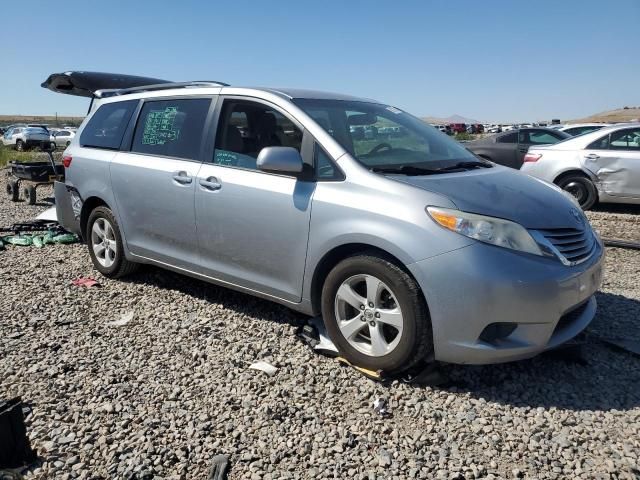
413 170
406 170
466 165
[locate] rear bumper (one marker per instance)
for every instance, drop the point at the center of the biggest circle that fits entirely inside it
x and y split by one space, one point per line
68 207
545 302
32 143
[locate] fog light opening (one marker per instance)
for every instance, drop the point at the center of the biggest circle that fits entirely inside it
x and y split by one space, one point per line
496 332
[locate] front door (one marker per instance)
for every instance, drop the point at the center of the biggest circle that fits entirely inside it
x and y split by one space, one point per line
154 183
253 226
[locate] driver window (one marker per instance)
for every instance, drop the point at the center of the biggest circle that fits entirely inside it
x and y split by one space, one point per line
246 128
372 133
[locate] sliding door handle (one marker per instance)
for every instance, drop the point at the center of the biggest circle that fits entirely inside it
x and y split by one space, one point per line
210 183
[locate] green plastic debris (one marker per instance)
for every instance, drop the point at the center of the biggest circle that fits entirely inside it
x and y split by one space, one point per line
37 241
65 238
22 240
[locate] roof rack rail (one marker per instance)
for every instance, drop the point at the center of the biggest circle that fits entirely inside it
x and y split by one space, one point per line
160 86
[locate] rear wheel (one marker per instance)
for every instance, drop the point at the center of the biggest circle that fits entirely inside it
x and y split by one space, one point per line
106 246
20 145
375 314
581 187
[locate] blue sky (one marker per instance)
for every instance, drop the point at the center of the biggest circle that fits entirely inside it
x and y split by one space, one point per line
502 60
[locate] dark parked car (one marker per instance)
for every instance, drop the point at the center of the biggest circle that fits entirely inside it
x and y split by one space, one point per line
509 148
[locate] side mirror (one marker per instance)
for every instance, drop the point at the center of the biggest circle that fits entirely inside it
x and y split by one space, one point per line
279 160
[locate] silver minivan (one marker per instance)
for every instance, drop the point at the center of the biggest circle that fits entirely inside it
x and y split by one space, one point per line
409 247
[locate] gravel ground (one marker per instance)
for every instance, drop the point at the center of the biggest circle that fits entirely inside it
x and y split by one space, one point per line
160 396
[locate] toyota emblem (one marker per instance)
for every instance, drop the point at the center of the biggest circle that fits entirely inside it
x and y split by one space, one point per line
577 215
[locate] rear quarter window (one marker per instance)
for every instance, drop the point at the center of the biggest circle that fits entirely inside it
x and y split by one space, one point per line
106 127
171 128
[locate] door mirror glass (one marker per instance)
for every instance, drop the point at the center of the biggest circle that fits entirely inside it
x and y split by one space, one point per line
279 159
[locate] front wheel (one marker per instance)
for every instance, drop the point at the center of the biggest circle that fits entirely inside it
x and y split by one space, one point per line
105 244
582 188
19 146
375 314
30 195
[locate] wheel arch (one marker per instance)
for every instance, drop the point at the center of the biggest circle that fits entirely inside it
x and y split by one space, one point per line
334 256
575 171
87 207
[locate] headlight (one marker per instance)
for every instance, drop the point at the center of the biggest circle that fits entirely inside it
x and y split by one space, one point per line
495 231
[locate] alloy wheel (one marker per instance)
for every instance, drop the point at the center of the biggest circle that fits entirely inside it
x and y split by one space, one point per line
368 315
103 242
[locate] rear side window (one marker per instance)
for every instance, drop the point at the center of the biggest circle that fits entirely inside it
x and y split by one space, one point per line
600 144
106 127
171 128
541 138
508 138
625 140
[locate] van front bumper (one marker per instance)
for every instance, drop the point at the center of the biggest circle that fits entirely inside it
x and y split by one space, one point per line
491 305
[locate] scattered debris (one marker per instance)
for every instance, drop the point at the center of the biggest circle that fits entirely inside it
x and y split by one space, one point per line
372 374
85 282
124 319
15 449
49 215
611 242
380 406
264 367
219 467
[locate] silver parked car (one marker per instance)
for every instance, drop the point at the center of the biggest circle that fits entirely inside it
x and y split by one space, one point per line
600 166
410 247
61 138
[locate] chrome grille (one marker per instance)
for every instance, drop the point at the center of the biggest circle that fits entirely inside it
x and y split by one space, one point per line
573 244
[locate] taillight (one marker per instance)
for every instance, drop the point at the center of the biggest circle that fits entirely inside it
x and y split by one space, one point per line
66 161
532 157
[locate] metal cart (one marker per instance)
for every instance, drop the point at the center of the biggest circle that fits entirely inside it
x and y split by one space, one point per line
26 177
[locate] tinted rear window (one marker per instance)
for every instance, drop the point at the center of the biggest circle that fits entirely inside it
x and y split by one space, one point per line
171 128
106 127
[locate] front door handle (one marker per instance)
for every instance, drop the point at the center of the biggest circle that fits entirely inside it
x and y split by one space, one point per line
592 156
210 183
182 177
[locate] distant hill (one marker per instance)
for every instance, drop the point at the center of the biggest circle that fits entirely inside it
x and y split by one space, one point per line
451 119
626 114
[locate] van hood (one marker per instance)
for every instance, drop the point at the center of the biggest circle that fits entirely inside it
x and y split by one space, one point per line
504 193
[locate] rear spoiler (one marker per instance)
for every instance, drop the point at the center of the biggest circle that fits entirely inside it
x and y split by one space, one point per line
89 84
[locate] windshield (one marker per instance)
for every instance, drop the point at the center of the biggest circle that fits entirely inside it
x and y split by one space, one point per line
383 137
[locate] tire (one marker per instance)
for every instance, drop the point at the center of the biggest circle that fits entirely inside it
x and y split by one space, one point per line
399 349
581 187
52 146
110 261
19 146
30 195
13 191
68 143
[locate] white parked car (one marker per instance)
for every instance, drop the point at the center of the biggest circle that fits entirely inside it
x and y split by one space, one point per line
581 128
600 166
61 138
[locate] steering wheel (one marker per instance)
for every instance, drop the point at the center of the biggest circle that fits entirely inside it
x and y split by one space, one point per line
379 147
